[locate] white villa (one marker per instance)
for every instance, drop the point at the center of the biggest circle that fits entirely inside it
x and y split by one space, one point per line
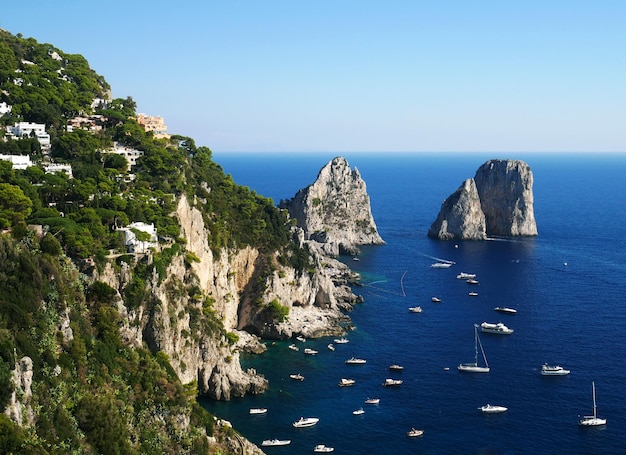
26 129
53 168
138 246
5 108
130 154
18 161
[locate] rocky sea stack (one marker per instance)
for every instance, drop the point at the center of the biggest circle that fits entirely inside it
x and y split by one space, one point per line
498 201
335 210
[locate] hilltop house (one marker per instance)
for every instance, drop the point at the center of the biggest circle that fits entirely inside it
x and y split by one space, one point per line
140 237
154 124
27 129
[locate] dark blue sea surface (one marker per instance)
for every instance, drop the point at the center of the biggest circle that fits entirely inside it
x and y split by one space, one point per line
568 285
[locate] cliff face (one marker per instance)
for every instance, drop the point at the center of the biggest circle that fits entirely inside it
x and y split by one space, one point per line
335 210
497 201
461 216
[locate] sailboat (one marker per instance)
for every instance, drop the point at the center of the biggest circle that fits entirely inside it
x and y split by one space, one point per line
592 421
474 367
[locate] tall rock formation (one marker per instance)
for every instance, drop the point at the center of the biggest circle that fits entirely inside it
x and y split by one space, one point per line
461 216
498 201
335 210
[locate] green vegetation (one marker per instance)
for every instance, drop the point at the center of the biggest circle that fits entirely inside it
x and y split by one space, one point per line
92 393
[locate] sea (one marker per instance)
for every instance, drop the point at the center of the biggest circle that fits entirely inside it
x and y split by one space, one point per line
568 286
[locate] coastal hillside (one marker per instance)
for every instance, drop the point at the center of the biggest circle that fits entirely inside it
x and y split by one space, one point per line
134 271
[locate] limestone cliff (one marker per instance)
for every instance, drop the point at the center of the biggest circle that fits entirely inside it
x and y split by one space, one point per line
498 201
461 215
335 210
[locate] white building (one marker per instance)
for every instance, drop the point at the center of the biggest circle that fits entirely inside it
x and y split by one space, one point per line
26 129
18 161
130 154
139 246
4 108
53 168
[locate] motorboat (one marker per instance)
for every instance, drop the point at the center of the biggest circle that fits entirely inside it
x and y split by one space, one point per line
553 370
258 410
503 309
358 412
499 328
466 276
355 361
392 382
341 340
346 382
321 448
331 347
441 265
415 309
304 422
493 409
436 299
372 401
473 294
296 377
310 351
300 338
396 367
412 433
293 347
474 367
276 442
471 281
593 420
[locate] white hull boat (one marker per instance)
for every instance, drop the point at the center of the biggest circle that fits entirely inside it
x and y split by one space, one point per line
415 309
341 340
258 411
556 370
498 329
296 377
293 347
308 351
306 422
355 361
358 412
372 401
346 382
441 265
493 409
392 382
474 367
435 299
276 442
503 309
466 276
593 420
412 433
321 448
331 347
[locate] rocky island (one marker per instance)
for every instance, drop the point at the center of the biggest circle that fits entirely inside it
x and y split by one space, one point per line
498 201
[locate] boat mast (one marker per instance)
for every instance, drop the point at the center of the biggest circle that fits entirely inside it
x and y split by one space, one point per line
481 349
593 392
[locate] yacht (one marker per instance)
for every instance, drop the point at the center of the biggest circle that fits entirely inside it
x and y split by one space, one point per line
355 361
276 442
396 367
321 448
293 347
310 351
341 340
503 309
493 409
471 281
436 299
331 347
466 276
346 382
296 377
372 401
441 265
306 422
593 420
300 338
473 294
258 410
474 367
415 309
556 370
358 412
413 432
499 328
392 382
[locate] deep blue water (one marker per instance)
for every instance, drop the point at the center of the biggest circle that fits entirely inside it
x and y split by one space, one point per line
568 285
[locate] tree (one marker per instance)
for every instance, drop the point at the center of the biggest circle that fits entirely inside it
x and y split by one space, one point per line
15 206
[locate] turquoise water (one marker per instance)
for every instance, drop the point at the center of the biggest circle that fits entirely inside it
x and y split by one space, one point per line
568 285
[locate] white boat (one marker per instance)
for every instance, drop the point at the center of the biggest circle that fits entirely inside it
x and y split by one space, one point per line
415 309
276 442
306 422
310 351
503 309
346 382
331 347
471 281
358 412
396 367
293 347
321 448
499 328
296 377
436 299
593 420
466 276
355 361
441 265
258 410
392 382
300 338
341 340
414 433
553 370
474 367
372 401
493 409
473 294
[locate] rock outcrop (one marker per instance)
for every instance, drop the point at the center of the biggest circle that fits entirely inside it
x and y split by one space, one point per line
335 210
498 201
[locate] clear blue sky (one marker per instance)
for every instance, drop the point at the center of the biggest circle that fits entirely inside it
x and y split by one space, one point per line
253 75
